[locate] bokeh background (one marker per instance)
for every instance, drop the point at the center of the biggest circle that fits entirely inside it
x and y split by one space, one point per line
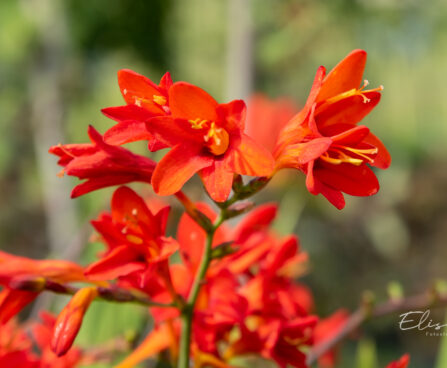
58 64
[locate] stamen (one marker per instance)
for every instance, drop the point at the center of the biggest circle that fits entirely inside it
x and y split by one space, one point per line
197 123
159 100
134 239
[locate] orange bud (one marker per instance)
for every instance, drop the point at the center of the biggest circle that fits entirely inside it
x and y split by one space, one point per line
70 319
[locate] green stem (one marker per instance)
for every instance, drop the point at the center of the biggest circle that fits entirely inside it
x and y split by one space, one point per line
188 310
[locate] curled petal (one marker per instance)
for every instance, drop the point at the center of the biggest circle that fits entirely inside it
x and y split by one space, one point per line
176 168
346 75
190 102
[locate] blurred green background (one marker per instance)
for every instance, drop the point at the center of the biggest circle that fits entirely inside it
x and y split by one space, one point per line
58 64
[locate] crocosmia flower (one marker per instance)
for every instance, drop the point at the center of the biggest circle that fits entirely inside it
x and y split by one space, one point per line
144 100
206 138
324 141
134 237
101 164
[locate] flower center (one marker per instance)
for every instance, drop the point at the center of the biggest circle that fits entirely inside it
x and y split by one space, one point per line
216 139
337 154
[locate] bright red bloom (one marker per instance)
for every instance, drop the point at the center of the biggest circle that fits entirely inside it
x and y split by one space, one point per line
102 164
70 319
325 330
43 333
206 138
134 237
324 141
17 346
401 363
144 100
266 118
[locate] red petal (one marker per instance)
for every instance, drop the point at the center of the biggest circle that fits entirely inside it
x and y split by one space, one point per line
129 207
119 262
349 110
350 179
354 134
315 186
233 115
172 131
383 158
187 101
136 87
249 158
127 112
166 82
176 168
261 217
299 154
217 180
12 302
126 132
107 181
346 75
318 80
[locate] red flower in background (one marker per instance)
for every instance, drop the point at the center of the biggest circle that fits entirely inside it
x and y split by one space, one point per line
324 141
134 236
325 330
206 138
18 347
401 363
266 118
101 164
144 100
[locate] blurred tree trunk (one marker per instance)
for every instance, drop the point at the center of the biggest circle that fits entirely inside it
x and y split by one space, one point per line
239 49
47 114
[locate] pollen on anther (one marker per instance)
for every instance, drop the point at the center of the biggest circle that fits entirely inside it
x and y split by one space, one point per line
125 91
134 212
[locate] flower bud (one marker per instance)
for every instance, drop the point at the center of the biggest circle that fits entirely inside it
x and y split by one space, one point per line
70 319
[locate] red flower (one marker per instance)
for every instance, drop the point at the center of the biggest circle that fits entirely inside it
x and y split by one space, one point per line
325 330
134 236
144 100
103 165
401 363
323 140
206 138
266 118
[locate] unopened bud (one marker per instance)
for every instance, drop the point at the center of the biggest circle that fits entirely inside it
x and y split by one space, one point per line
70 319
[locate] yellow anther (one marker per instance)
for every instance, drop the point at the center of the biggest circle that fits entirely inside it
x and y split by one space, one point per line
159 100
134 239
198 123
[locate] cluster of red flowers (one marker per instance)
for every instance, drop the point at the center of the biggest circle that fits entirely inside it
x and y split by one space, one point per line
233 292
